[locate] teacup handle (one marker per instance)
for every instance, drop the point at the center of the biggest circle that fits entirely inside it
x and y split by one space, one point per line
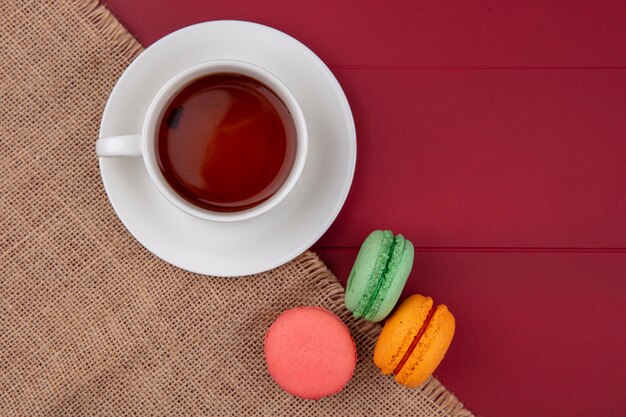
124 145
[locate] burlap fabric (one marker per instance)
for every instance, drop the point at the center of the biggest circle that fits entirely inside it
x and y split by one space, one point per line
90 322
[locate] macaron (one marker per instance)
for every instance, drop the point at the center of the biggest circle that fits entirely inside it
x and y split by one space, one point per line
414 340
378 275
309 352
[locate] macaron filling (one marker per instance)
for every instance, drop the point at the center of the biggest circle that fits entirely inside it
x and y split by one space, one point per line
397 251
374 282
416 340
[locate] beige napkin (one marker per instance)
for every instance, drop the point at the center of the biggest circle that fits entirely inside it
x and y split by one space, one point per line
90 322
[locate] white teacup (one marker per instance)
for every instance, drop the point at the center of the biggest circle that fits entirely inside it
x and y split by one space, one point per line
144 144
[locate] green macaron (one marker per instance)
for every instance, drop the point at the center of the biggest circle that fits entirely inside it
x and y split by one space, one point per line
378 275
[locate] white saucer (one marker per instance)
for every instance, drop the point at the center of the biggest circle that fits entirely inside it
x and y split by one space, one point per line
261 243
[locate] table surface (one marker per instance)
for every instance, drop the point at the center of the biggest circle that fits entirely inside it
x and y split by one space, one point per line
493 135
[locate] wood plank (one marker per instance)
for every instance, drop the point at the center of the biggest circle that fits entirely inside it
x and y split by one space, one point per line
488 158
537 333
415 33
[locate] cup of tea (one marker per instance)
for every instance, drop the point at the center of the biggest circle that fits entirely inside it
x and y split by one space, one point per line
224 140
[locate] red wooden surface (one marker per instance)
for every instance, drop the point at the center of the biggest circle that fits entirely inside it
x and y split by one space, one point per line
493 135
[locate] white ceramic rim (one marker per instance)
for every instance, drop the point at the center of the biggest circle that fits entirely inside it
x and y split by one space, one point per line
169 91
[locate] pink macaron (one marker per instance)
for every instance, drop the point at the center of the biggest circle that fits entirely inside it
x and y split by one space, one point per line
309 352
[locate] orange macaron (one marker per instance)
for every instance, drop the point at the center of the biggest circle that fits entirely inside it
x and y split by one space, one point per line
414 340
